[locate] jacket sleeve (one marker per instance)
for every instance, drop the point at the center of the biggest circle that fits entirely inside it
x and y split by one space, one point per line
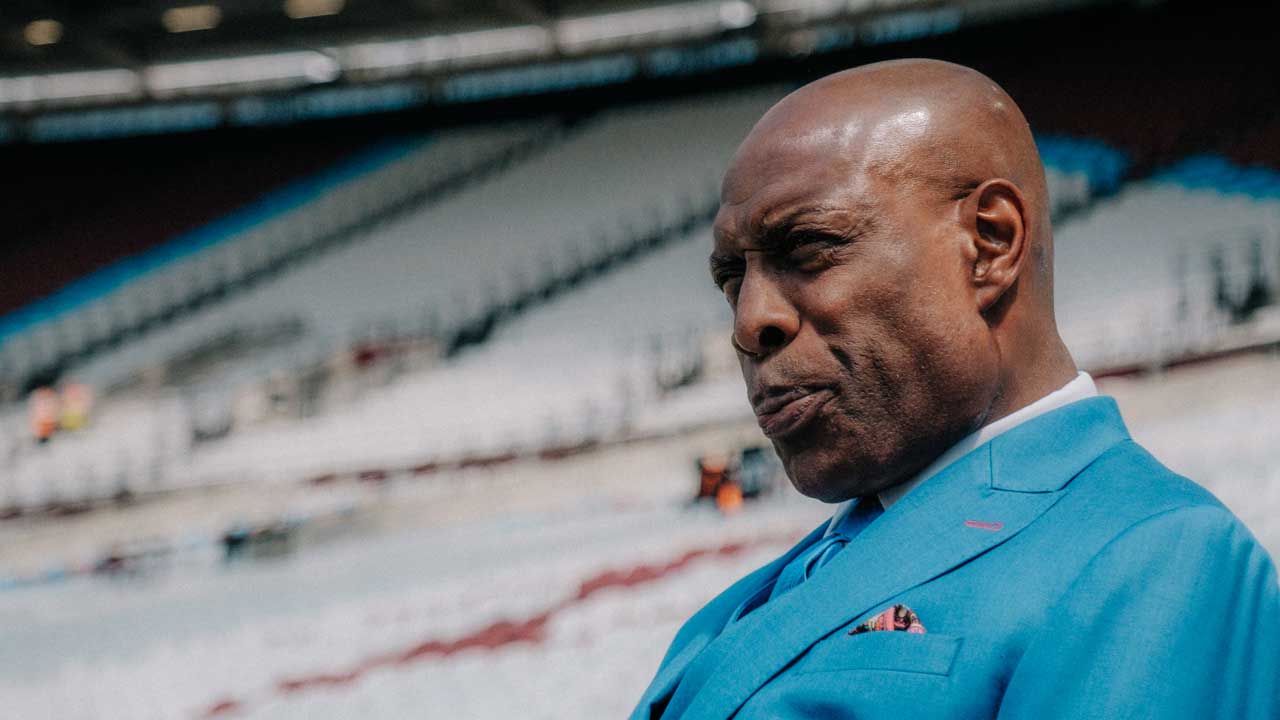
1176 617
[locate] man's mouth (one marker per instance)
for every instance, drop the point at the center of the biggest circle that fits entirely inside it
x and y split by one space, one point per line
788 413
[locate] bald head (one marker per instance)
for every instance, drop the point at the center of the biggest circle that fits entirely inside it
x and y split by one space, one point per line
917 125
884 241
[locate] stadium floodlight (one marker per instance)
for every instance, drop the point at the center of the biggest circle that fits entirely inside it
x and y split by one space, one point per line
248 72
189 18
651 25
803 12
42 32
393 58
85 86
299 9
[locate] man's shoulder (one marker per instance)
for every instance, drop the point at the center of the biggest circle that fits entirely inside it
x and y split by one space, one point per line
1129 471
1163 534
1127 487
1124 522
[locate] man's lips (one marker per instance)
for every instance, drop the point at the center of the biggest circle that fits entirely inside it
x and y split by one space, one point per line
784 414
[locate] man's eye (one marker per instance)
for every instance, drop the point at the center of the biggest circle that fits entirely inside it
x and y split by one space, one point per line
811 249
729 285
810 241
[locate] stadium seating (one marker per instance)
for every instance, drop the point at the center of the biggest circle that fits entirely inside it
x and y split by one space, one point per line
95 313
1135 276
115 200
585 372
402 622
141 441
625 195
602 381
403 270
626 168
585 369
141 291
567 611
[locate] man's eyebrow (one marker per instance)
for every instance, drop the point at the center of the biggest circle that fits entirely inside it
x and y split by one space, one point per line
720 262
776 234
773 238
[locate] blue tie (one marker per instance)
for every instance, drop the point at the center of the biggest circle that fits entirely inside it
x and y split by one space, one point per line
804 565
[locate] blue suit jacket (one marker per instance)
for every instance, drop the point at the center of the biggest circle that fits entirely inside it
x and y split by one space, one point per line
1095 583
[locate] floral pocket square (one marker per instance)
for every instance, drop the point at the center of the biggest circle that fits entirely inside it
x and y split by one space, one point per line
898 617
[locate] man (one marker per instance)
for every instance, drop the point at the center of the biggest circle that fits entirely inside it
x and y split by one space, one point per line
1004 549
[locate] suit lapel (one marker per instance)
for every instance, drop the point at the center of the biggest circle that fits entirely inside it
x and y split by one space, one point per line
975 504
711 620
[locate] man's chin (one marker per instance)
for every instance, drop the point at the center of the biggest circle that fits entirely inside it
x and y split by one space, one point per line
824 484
833 479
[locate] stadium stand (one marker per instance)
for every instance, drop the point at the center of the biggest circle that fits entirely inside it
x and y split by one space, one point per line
146 435
399 271
403 616
132 295
1119 308
572 612
400 281
1138 279
138 292
407 269
109 205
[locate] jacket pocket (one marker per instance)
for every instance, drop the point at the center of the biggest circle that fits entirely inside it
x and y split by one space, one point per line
885 650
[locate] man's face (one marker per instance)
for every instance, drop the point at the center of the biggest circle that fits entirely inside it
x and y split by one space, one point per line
862 351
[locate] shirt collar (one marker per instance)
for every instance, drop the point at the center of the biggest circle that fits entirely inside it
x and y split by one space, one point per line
1079 388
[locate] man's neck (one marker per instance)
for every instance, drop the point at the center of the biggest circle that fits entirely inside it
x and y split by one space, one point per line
1043 369
1078 387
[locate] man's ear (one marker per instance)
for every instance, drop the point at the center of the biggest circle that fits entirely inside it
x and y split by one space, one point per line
994 221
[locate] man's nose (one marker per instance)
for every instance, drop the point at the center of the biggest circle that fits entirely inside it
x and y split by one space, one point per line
764 321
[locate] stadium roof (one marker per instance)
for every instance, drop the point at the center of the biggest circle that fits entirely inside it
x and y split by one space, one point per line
134 32
375 55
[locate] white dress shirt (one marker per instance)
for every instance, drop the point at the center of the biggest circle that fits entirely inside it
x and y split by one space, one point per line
1079 388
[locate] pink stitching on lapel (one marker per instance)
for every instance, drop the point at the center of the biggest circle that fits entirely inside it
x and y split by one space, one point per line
993 526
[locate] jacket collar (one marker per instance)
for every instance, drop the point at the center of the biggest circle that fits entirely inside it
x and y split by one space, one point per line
999 488
1080 388
1045 453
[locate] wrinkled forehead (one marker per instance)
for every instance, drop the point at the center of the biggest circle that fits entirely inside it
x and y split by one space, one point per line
780 168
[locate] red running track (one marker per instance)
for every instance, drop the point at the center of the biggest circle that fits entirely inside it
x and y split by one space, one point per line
504 632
